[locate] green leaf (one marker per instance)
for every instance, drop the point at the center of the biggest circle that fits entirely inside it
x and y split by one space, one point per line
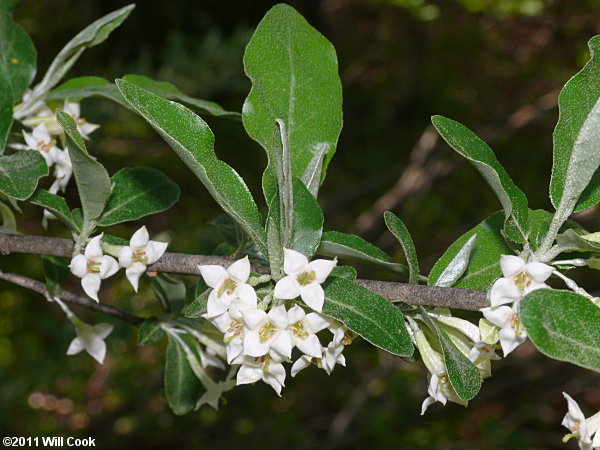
484 265
6 110
308 221
575 240
56 205
400 232
564 326
513 200
9 223
354 248
56 271
230 231
367 314
575 183
17 56
463 375
197 308
92 35
20 172
294 74
347 272
150 332
170 92
182 387
275 238
77 89
138 192
193 141
171 292
92 180
457 266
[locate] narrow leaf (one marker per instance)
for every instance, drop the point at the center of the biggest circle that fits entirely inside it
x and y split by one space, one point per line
308 221
457 266
20 172
400 232
575 183
150 332
56 271
138 192
6 110
76 89
182 387
92 180
513 200
564 326
304 90
193 141
368 315
354 248
56 205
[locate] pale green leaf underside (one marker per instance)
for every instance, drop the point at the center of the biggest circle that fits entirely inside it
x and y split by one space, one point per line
457 266
564 326
400 232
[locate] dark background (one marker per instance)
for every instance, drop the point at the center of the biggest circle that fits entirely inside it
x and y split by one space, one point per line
496 66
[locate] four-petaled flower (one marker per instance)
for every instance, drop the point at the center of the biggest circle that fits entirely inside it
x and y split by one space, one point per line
520 278
40 140
303 328
512 333
303 279
440 390
481 355
587 431
267 333
140 253
93 266
229 286
90 338
83 126
262 368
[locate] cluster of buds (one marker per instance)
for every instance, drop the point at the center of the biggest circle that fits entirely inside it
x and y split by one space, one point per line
260 336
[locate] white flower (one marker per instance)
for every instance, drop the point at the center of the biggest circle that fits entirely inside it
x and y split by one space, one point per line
233 335
303 328
262 368
512 333
93 266
587 431
520 278
481 355
303 279
40 140
90 338
229 286
63 169
440 390
39 108
140 253
267 333
83 126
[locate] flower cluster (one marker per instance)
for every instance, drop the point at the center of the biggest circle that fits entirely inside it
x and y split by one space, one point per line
586 431
260 338
520 278
93 265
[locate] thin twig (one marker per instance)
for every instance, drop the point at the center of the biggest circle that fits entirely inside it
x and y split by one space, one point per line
182 263
69 297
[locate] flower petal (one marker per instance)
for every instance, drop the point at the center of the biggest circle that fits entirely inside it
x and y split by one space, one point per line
282 343
322 268
125 257
140 238
213 275
539 272
286 288
215 306
246 294
504 291
278 316
293 262
76 346
317 322
509 340
108 266
78 266
248 374
154 250
253 318
72 109
511 265
240 270
102 330
426 404
314 296
134 272
253 346
235 349
301 363
94 248
310 346
499 316
295 314
97 350
91 285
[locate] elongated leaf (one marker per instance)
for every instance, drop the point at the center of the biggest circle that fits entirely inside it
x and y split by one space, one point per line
354 248
347 272
576 139
193 141
368 315
17 56
9 222
294 75
92 180
150 332
182 387
170 292
169 91
572 240
484 265
457 266
513 200
463 375
564 326
77 89
138 192
308 221
6 110
20 172
400 232
56 271
56 205
274 238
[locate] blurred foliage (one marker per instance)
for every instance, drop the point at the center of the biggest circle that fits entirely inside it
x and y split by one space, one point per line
494 65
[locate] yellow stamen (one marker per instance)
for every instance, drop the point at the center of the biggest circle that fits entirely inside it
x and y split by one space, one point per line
306 278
